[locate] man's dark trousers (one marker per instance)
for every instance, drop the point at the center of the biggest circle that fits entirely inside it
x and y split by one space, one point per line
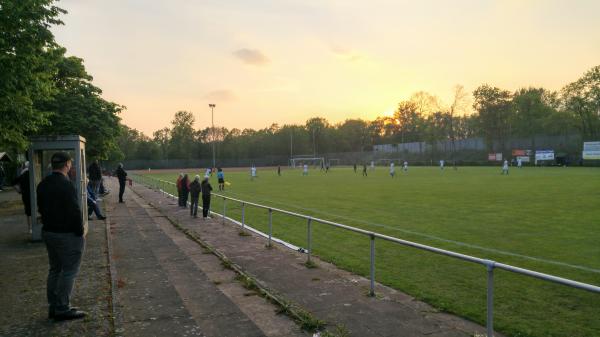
194 206
64 257
205 205
121 189
184 197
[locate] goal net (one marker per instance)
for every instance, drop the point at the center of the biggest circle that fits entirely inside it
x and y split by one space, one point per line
386 162
334 162
310 161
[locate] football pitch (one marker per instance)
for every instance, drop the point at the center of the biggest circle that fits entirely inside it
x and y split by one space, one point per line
544 219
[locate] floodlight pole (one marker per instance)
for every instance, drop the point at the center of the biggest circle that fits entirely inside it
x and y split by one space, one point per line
314 144
212 121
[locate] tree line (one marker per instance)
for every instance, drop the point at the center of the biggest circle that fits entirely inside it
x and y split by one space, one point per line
492 113
42 90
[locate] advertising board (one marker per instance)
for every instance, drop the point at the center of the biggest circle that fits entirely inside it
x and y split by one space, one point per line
544 155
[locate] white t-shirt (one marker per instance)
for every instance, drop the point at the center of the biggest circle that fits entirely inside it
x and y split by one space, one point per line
505 166
392 169
305 167
441 163
253 171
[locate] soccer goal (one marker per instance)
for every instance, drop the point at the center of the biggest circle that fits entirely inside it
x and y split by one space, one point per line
385 162
334 162
312 161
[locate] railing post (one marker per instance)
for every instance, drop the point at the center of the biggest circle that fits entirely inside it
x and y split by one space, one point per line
490 298
372 289
243 215
224 209
308 239
270 226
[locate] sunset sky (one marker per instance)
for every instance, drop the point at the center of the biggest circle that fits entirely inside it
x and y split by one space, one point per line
280 61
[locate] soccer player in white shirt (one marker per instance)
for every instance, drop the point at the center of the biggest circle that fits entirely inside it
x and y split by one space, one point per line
405 166
442 164
505 167
305 170
252 172
519 162
392 170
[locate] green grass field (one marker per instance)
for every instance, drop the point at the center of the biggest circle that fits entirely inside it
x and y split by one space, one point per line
545 219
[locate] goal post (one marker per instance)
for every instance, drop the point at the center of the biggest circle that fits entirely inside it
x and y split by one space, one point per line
310 161
386 161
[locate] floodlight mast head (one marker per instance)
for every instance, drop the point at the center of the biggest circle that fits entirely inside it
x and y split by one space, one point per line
212 105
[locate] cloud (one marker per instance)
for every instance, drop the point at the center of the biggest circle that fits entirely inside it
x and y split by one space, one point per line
251 56
220 96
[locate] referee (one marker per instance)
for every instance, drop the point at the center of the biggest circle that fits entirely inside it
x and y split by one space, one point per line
62 233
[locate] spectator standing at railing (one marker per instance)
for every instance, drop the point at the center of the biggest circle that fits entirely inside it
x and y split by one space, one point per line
185 190
178 184
122 177
195 189
206 189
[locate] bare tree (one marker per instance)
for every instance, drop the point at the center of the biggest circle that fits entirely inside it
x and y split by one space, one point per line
459 106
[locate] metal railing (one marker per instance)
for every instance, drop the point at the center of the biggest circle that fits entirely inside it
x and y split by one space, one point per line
490 265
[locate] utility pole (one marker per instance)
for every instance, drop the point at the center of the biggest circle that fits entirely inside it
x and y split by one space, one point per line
212 121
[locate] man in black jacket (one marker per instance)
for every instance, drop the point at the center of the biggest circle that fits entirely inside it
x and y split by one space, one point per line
206 189
62 233
122 176
195 190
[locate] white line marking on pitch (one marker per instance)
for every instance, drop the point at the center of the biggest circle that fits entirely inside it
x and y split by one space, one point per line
458 243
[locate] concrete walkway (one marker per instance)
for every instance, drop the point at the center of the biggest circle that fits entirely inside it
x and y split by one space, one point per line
333 295
168 285
23 273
